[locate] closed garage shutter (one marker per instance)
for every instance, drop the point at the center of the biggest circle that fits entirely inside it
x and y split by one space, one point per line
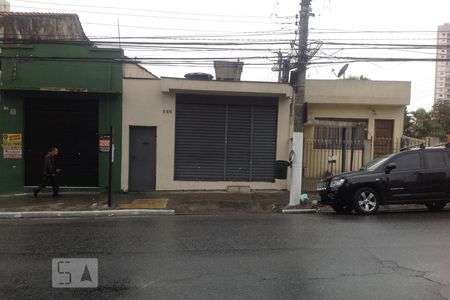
223 138
238 142
264 143
199 142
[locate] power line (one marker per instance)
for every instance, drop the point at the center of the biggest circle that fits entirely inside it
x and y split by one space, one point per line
225 41
334 31
128 60
376 39
150 16
222 33
386 59
156 28
194 39
227 44
155 11
325 43
421 46
199 49
217 46
200 43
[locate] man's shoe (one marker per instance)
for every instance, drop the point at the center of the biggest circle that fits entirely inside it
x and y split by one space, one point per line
35 194
57 196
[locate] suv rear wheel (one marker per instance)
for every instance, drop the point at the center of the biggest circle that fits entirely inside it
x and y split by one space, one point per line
436 205
366 201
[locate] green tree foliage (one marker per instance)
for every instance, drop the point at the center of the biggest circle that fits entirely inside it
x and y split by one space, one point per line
355 77
408 124
441 111
435 123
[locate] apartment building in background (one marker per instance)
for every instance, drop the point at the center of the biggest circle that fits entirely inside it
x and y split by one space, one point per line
442 78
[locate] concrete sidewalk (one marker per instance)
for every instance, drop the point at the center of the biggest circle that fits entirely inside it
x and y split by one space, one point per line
76 204
216 202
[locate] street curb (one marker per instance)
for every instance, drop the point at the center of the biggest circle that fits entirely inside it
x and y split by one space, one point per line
49 194
85 213
15 195
300 211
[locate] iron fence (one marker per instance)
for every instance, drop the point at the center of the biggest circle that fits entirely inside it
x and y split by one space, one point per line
322 158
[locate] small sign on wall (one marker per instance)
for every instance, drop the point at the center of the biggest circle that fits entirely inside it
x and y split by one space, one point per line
12 145
332 159
104 143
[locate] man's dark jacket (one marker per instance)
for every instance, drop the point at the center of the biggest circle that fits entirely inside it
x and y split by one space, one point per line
49 165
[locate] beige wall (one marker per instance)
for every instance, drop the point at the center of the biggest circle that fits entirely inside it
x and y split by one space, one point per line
136 71
144 103
225 87
315 161
369 112
369 92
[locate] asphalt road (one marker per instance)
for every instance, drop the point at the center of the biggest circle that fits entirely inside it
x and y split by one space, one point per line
312 256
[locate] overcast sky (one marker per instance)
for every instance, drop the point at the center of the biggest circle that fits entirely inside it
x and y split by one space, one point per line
268 22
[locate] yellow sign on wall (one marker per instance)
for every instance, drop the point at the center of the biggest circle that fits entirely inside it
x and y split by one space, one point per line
12 145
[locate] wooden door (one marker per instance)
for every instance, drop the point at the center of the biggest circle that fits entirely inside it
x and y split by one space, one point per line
384 134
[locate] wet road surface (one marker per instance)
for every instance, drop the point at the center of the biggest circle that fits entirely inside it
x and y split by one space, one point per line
393 255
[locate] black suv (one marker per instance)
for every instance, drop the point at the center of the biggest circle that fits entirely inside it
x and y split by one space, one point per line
413 176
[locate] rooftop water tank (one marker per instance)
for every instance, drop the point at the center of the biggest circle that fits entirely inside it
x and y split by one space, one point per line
228 70
198 76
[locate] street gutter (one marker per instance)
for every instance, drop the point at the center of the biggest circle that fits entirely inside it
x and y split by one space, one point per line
299 210
85 213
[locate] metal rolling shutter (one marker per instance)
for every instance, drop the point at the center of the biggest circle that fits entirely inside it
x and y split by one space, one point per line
265 121
239 128
200 141
220 138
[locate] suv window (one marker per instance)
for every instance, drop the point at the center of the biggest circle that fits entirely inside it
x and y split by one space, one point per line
434 159
447 158
409 161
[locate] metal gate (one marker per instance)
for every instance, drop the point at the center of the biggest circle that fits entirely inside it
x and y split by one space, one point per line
328 157
72 126
224 138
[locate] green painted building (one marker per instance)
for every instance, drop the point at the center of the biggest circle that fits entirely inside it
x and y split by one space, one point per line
56 89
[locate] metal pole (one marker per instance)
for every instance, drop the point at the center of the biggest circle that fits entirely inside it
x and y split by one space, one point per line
280 65
344 150
111 162
352 152
118 31
299 100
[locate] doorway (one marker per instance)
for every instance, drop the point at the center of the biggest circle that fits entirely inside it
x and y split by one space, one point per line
384 134
142 159
71 125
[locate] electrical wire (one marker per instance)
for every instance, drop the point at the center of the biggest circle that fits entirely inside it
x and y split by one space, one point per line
151 16
152 11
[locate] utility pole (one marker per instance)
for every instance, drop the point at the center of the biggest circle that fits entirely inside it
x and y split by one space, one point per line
280 64
111 165
299 100
118 31
286 66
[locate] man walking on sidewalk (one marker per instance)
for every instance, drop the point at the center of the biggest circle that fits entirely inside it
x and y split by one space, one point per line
50 173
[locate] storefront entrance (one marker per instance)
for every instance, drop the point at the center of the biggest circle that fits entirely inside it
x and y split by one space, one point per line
72 126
